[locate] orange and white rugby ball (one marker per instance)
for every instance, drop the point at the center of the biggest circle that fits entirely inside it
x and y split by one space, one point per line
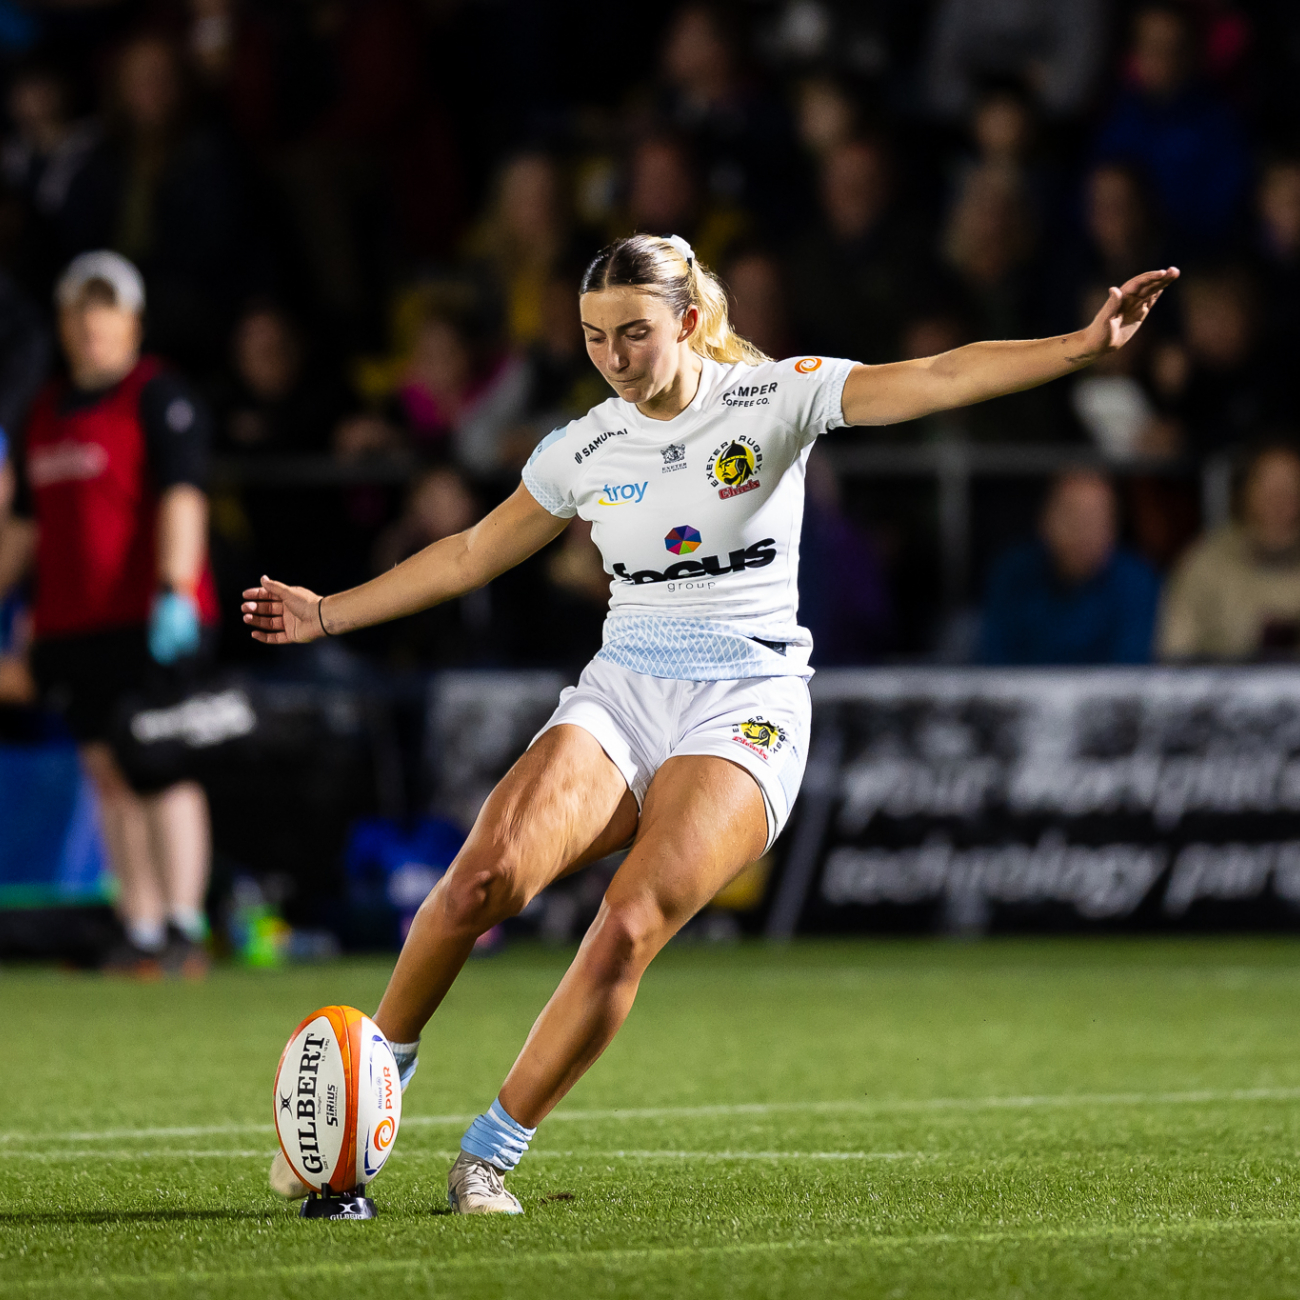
338 1100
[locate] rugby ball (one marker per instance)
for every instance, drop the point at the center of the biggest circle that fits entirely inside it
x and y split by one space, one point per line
338 1100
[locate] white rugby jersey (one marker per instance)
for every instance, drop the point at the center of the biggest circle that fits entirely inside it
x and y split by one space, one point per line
697 518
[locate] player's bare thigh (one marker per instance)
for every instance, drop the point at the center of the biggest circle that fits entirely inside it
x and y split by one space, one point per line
561 806
702 823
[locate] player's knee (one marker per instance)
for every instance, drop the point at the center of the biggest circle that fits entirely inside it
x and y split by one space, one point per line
627 935
477 893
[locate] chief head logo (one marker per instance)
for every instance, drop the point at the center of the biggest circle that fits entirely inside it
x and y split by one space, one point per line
384 1133
735 465
807 365
683 539
760 732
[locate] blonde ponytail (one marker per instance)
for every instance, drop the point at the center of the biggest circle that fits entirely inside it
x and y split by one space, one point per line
667 268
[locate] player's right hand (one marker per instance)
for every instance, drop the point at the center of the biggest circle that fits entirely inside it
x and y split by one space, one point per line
280 615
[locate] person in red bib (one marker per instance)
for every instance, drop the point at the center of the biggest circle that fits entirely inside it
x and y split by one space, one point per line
111 515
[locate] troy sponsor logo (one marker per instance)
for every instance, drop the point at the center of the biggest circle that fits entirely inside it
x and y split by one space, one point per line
733 468
760 736
620 493
597 443
756 556
749 395
65 462
674 457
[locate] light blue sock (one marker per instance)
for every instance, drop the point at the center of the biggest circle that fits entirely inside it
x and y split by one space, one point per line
405 1056
497 1138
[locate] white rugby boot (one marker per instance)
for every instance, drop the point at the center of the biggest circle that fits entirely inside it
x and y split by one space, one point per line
475 1187
284 1181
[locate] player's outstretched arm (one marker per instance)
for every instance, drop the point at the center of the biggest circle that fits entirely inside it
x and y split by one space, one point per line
282 615
907 390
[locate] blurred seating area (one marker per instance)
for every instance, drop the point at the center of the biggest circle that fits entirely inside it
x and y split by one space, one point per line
362 224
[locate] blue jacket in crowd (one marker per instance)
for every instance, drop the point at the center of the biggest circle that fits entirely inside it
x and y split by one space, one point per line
1032 617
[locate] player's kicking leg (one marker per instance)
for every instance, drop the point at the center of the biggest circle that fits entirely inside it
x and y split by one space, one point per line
704 820
563 804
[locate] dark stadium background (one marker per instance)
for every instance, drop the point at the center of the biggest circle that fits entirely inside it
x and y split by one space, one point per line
362 224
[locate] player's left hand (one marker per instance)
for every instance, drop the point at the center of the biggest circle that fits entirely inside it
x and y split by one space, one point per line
279 614
1125 309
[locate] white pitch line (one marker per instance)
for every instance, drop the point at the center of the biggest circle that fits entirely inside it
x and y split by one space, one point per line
98 1154
902 1105
406 1156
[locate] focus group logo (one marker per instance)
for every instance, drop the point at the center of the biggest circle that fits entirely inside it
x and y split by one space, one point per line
733 468
698 575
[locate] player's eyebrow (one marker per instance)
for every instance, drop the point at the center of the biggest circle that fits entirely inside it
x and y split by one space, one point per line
626 325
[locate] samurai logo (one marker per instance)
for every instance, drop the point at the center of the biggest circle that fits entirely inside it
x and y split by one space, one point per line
762 737
733 468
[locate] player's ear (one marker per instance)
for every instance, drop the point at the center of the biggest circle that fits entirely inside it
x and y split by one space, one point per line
690 323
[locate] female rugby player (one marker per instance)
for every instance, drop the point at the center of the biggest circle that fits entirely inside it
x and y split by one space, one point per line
686 736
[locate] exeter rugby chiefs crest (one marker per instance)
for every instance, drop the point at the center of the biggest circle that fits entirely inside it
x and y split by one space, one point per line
764 738
733 468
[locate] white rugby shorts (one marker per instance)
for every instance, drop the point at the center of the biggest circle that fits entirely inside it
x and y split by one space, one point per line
760 723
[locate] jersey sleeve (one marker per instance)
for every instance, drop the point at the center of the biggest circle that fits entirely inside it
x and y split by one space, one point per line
549 475
177 430
814 391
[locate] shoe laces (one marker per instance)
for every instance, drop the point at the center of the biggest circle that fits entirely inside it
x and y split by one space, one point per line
482 1179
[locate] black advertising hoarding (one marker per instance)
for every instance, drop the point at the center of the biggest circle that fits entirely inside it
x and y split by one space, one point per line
969 798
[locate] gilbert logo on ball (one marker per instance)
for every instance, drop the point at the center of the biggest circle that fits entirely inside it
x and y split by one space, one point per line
338 1100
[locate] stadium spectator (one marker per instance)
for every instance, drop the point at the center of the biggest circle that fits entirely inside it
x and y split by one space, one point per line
1054 48
1170 125
1073 595
1236 593
48 162
460 633
112 510
167 198
1215 381
989 245
1277 260
275 401
856 270
1118 234
757 294
740 135
843 597
522 239
1113 403
664 198
825 116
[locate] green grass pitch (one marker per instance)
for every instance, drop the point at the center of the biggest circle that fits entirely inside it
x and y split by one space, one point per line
1008 1119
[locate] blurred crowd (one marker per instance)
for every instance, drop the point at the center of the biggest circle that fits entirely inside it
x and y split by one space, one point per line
361 225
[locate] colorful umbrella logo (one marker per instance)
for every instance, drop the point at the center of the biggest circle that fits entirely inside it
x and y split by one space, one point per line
683 540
